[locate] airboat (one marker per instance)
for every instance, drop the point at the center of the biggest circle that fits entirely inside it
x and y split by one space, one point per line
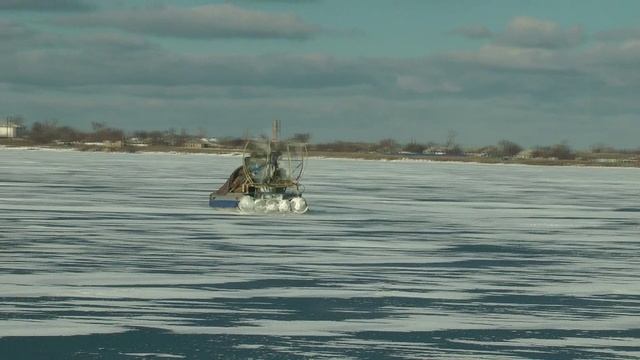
268 181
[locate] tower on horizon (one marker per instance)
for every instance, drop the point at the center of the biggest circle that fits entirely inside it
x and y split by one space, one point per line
275 130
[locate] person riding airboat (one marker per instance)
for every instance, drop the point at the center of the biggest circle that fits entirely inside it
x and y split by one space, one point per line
267 181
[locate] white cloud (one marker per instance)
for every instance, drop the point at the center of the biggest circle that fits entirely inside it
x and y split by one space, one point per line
207 21
530 32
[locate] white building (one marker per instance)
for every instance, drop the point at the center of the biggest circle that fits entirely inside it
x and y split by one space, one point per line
525 154
8 130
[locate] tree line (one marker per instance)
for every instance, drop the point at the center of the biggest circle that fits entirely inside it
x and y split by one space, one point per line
47 132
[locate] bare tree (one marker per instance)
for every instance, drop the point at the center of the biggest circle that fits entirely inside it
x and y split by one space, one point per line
508 148
451 139
44 132
301 137
98 125
388 145
415 147
16 120
560 151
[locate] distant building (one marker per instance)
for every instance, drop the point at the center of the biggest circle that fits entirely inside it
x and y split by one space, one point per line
193 144
9 129
107 144
477 154
197 144
112 144
525 154
201 143
134 141
607 160
435 150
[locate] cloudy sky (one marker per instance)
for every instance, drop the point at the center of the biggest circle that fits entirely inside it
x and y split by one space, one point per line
537 72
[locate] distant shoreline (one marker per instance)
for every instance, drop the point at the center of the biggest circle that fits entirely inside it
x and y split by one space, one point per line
605 162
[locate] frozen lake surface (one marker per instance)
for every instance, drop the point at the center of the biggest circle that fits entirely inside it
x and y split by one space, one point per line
118 256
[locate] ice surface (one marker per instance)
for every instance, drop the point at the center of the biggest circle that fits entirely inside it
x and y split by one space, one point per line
404 259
